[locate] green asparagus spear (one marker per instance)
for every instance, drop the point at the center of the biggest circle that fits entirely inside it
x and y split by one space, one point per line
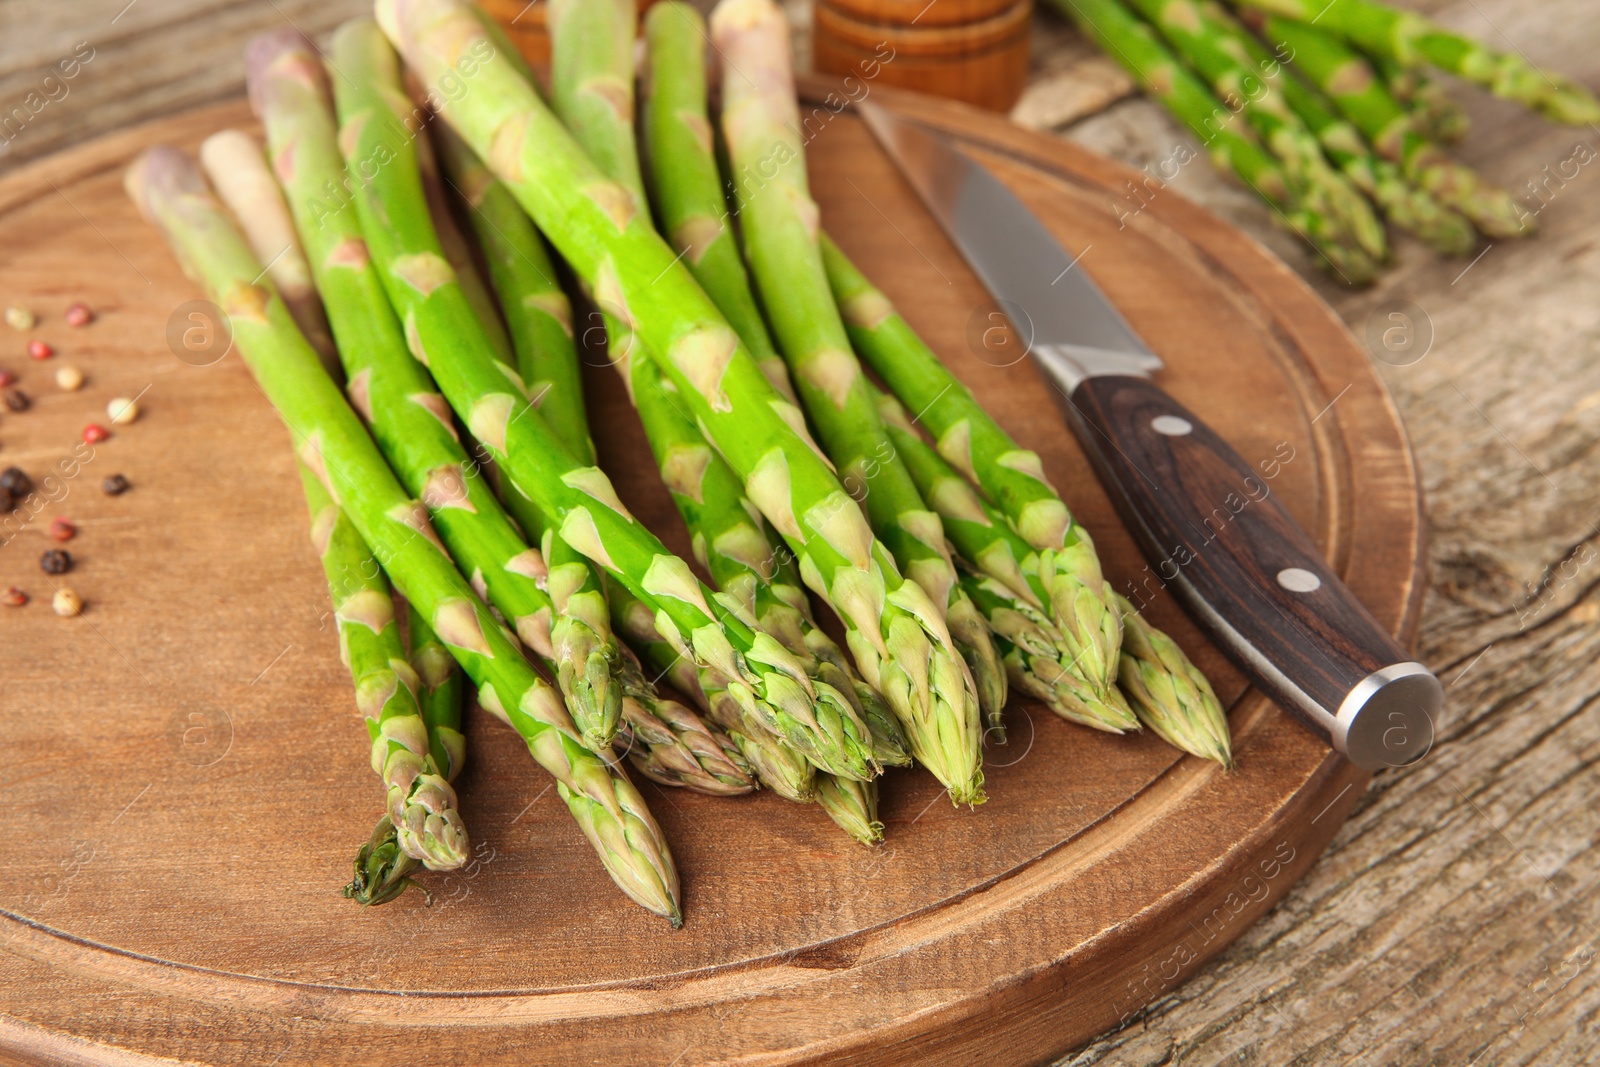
1127 40
1411 40
382 868
493 402
1169 693
329 438
731 540
1006 587
1316 184
386 861
232 161
737 550
853 806
778 221
535 306
1434 112
664 739
598 228
592 80
441 695
421 804
669 744
778 767
1063 558
410 420
685 181
1358 92
1408 207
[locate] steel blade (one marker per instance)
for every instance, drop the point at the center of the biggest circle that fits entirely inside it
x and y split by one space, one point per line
1020 262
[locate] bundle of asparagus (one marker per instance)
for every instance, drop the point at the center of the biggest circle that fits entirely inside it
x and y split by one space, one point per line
1334 99
953 565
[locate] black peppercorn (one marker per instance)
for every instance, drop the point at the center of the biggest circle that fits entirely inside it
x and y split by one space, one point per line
115 485
16 481
56 561
17 400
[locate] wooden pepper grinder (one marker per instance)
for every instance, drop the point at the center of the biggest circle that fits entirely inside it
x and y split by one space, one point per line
970 50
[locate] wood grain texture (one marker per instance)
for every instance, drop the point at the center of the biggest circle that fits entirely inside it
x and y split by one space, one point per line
1453 919
1062 906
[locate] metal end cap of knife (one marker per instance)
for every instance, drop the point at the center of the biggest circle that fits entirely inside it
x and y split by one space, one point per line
1387 719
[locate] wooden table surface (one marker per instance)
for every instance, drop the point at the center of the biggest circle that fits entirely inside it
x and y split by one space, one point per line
1455 918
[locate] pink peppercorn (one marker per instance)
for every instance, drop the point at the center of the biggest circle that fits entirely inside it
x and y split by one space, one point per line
62 530
94 433
7 379
79 315
39 350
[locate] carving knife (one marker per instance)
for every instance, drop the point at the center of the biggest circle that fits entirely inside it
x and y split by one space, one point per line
1250 577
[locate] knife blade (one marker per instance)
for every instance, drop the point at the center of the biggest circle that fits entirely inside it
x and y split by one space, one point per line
1208 523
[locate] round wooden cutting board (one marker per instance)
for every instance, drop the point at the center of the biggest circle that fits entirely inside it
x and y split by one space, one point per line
187 776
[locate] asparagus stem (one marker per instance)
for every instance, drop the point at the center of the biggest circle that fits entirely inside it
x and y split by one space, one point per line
686 181
331 440
1204 45
1410 40
442 693
422 816
492 401
1410 208
525 279
1006 587
744 556
598 228
458 251
1132 44
1062 558
420 802
1359 94
778 221
396 395
232 161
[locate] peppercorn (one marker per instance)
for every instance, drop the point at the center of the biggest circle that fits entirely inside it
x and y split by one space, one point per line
69 378
13 597
20 318
56 561
122 411
17 400
66 602
17 481
7 378
62 530
115 485
7 501
94 433
39 350
79 315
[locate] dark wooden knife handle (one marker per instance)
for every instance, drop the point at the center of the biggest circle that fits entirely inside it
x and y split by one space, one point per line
1217 535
